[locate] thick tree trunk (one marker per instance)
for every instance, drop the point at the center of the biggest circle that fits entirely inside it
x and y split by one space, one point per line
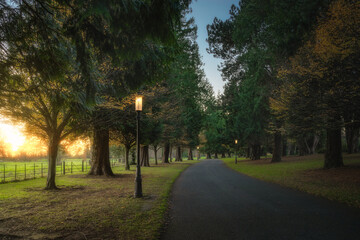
190 154
277 151
333 155
255 152
178 157
145 156
127 151
165 156
100 156
170 152
223 155
155 154
229 154
248 152
53 149
208 155
216 156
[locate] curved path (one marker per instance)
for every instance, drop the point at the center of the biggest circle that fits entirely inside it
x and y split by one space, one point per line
211 201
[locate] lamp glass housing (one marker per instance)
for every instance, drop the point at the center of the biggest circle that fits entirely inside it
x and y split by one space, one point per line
236 141
138 104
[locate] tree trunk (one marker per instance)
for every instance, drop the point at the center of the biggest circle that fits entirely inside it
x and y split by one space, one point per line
216 156
333 155
145 156
208 155
178 157
277 151
315 143
190 154
308 149
127 151
100 155
223 155
229 154
155 154
53 149
255 152
170 152
165 156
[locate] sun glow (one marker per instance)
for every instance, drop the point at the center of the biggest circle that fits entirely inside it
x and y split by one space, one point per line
15 143
11 136
76 148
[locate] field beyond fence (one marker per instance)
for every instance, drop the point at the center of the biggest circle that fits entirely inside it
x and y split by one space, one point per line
18 171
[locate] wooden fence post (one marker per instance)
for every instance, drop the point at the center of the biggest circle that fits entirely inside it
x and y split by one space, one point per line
82 166
42 170
64 167
34 170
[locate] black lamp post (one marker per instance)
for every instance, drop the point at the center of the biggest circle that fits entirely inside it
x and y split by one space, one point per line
236 141
138 185
198 152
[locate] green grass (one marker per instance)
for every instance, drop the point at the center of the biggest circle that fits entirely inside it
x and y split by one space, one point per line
95 207
20 170
306 174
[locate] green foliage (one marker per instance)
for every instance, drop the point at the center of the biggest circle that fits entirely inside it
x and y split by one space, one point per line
254 43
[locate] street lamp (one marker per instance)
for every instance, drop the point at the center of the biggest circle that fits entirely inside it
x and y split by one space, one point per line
236 141
138 185
198 149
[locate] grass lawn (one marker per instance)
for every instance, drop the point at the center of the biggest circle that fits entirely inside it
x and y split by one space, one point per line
88 207
306 174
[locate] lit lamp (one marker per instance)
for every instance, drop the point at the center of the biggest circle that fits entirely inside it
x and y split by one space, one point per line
138 185
138 104
236 142
198 149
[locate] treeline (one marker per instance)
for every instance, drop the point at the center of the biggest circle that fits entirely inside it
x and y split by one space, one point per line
292 78
73 68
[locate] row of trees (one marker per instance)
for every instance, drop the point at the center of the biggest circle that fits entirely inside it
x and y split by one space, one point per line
72 68
291 71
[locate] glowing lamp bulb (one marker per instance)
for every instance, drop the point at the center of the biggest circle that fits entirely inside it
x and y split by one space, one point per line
138 104
235 141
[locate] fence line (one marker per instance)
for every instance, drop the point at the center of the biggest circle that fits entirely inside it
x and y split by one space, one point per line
20 172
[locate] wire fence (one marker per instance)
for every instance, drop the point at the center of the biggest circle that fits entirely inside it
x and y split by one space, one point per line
10 172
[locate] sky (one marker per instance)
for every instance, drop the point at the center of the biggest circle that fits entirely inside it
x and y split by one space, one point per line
204 12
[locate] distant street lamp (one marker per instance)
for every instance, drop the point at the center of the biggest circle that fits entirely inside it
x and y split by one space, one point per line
236 141
138 185
198 149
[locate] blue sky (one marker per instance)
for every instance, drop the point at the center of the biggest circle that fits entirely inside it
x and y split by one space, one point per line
204 12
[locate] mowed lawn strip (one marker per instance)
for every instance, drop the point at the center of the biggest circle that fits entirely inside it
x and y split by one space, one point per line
89 207
306 174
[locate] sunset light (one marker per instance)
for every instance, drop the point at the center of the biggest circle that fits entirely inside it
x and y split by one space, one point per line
11 136
14 142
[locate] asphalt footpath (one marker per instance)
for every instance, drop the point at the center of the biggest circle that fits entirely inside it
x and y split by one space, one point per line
211 201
